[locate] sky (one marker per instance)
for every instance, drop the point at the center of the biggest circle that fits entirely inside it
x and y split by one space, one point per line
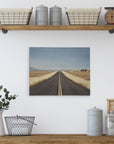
59 59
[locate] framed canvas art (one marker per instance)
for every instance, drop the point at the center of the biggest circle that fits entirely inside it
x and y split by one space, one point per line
59 71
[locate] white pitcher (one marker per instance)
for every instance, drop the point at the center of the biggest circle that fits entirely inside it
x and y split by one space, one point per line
2 130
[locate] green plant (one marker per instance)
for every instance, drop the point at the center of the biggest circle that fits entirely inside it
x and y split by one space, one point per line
5 98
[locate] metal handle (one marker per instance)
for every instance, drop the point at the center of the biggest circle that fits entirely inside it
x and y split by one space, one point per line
25 120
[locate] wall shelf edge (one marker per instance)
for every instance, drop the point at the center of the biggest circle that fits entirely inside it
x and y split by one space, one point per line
6 28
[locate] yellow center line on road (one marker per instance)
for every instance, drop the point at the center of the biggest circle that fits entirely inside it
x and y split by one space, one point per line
59 86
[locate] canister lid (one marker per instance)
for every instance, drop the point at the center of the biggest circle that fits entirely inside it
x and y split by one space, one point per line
41 6
95 109
55 7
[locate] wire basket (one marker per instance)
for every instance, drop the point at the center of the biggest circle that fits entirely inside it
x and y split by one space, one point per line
83 16
19 125
15 16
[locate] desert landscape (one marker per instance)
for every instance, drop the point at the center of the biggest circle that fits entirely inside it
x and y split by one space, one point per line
59 71
38 73
85 74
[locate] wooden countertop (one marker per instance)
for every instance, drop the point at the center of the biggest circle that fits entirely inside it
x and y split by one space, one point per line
57 139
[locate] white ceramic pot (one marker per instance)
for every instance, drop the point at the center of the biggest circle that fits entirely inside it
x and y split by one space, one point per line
2 130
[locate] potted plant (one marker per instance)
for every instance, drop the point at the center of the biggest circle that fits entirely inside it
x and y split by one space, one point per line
5 98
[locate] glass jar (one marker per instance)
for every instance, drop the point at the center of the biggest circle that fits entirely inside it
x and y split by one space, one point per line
110 124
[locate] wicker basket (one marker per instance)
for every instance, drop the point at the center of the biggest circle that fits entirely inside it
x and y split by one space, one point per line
83 16
19 125
15 16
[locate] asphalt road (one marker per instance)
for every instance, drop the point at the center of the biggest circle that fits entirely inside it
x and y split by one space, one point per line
50 87
71 88
47 87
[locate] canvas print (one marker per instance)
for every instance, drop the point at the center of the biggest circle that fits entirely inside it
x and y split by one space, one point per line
59 71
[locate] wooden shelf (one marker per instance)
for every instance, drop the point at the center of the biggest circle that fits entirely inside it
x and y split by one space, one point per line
62 27
57 139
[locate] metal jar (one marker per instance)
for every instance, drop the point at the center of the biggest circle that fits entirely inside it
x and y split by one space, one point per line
56 15
95 122
42 15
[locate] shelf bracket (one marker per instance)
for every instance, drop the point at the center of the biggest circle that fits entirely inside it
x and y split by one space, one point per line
4 30
111 31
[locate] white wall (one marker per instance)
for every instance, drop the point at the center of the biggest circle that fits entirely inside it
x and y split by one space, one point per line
56 114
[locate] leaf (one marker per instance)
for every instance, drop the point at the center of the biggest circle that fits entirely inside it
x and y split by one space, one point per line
14 97
7 103
3 99
1 87
1 104
6 96
5 90
4 104
10 98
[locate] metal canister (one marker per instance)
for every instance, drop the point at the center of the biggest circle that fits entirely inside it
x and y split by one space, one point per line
95 122
55 15
42 15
